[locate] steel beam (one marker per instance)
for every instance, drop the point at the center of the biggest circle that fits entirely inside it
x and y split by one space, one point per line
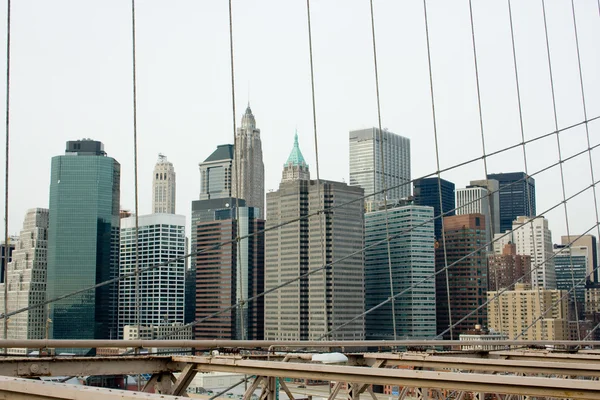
563 364
253 344
82 366
427 379
22 389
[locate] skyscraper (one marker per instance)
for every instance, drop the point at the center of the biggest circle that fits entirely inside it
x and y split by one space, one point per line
27 279
366 166
589 241
312 306
248 164
215 173
476 200
570 264
229 273
467 278
412 261
163 187
493 188
514 189
533 238
426 193
83 241
162 290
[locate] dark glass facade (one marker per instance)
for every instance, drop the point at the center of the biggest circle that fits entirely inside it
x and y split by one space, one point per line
83 242
513 197
426 193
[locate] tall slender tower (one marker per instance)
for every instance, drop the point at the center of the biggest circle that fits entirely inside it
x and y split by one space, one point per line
163 187
248 170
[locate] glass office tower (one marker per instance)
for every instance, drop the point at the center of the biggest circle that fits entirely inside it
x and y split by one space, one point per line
83 241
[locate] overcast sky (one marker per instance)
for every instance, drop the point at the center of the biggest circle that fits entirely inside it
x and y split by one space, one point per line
71 79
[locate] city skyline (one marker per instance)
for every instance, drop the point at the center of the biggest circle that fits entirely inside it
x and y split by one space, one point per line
47 76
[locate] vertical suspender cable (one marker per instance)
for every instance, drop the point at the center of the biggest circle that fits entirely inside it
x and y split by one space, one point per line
320 196
491 226
437 159
584 105
236 162
534 278
383 181
562 175
6 244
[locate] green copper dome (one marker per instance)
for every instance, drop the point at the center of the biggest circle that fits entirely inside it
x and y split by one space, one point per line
296 157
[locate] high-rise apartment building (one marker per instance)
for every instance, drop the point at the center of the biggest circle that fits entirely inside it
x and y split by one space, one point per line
589 241
163 187
427 193
248 170
27 279
570 263
310 307
517 197
161 237
367 168
505 269
231 273
516 313
533 238
216 173
412 261
467 274
83 241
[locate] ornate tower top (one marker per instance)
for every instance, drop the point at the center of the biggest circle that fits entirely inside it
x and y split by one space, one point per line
295 168
248 121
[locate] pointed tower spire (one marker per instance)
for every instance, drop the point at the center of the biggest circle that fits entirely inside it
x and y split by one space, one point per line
295 168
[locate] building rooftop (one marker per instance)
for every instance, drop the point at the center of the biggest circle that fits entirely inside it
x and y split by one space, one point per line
223 152
296 157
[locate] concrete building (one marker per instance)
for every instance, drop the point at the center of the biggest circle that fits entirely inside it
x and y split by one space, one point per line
367 168
427 193
83 241
27 279
590 242
313 305
163 187
517 197
571 275
248 164
412 260
467 278
216 173
162 290
476 200
516 310
4 251
592 303
533 238
231 273
504 270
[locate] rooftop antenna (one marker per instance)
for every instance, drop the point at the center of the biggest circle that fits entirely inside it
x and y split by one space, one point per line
162 157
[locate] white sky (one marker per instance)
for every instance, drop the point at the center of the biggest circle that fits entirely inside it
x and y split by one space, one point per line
71 78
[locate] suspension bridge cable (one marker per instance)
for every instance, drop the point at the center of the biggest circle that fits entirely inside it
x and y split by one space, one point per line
218 245
319 196
562 176
384 183
237 150
584 106
6 167
490 225
437 159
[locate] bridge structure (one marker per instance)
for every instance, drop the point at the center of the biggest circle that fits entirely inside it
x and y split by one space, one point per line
420 369
427 369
